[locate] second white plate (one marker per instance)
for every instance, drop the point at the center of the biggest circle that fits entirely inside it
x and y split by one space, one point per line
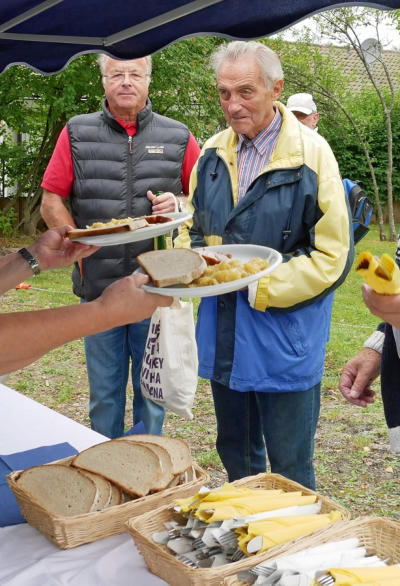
136 235
243 252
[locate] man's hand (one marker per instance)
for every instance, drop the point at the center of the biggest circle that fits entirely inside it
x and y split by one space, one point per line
387 307
54 250
162 204
357 375
125 302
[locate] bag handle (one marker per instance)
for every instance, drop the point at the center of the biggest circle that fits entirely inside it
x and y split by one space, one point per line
176 303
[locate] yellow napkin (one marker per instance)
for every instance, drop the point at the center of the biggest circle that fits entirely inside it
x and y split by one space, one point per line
249 505
282 529
349 576
227 491
383 274
388 582
232 492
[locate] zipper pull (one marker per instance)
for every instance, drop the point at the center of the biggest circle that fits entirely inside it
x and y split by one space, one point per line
130 145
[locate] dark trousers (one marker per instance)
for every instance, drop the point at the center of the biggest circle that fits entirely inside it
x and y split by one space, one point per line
253 425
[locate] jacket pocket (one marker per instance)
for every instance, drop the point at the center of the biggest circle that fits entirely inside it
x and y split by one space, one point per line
307 329
293 328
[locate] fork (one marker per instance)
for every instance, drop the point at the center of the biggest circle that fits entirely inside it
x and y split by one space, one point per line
199 543
237 555
187 561
228 541
207 552
325 580
263 570
246 576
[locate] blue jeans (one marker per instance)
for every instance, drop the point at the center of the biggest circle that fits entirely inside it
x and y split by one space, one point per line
252 425
107 359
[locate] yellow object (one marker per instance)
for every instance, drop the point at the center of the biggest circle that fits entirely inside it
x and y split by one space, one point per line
385 575
229 270
388 582
250 505
279 530
383 274
230 501
229 492
112 222
226 492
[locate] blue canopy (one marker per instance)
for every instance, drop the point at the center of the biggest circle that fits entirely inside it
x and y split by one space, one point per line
47 34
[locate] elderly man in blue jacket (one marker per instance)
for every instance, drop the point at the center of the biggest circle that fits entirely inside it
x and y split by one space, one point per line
270 181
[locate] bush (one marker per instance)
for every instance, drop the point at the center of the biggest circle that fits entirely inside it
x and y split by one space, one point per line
8 222
367 110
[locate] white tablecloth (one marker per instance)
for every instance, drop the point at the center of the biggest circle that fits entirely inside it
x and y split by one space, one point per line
27 558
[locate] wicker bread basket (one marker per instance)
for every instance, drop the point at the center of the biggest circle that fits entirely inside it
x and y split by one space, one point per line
67 532
379 536
161 561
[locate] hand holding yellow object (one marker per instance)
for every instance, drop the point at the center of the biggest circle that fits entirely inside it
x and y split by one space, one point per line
382 275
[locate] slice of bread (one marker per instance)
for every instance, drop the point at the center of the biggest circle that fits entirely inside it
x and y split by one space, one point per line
172 266
132 466
62 490
177 448
103 489
116 495
188 475
166 465
175 481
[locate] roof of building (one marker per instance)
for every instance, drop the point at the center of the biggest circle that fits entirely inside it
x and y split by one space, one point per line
354 69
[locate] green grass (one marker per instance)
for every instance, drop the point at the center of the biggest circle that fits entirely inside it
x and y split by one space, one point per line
353 459
354 464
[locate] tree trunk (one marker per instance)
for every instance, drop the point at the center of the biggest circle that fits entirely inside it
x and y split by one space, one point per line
30 216
389 172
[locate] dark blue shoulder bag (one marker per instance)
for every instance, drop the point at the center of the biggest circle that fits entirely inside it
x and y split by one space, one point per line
361 208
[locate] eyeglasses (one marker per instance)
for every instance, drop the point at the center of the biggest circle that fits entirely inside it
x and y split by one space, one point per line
133 77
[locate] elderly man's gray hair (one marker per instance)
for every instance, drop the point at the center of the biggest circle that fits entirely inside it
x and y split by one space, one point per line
267 59
102 60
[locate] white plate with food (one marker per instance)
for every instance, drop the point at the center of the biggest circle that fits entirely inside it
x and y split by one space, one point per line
129 231
264 260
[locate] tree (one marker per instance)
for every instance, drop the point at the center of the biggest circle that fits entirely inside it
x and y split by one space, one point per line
37 107
328 83
347 25
183 86
307 68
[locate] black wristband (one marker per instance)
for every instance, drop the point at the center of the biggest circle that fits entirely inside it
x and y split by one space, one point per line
32 261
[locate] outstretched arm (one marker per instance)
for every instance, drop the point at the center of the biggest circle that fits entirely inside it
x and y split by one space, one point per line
26 336
52 249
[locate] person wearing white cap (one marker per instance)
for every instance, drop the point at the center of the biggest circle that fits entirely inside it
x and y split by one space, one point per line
304 108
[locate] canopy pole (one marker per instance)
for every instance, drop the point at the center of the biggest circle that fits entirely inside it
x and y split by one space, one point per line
28 14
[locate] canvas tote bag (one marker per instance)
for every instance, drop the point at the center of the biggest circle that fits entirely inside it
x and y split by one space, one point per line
170 363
